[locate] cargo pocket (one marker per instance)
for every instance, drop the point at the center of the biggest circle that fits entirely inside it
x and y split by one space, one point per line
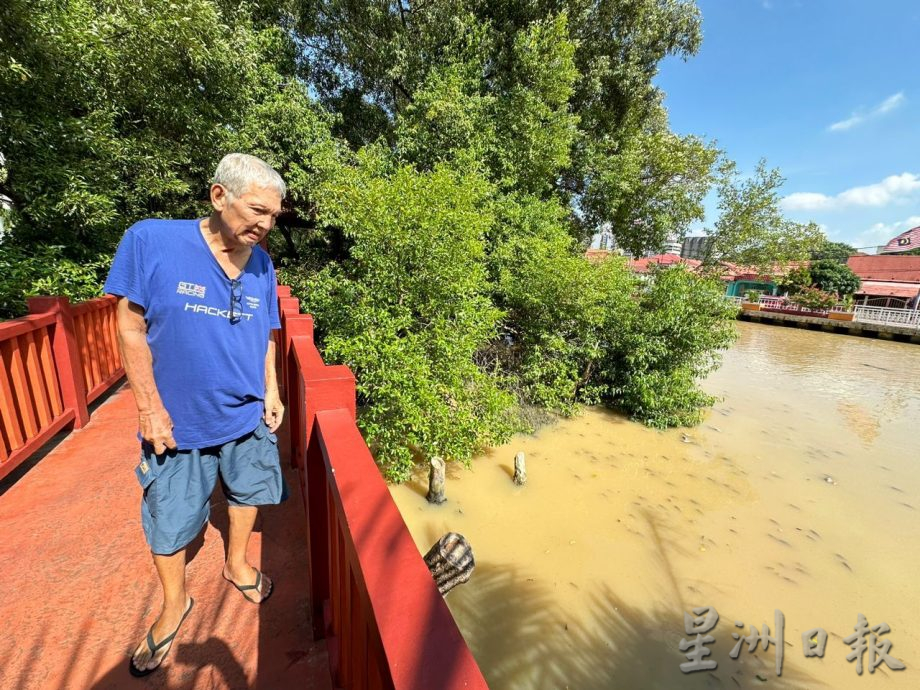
147 471
261 432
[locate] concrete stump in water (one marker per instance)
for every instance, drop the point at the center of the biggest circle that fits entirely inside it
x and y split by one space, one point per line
450 561
436 481
520 471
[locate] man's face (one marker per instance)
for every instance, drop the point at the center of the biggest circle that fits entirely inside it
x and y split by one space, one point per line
248 217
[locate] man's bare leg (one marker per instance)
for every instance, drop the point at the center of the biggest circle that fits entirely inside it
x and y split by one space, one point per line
237 568
171 570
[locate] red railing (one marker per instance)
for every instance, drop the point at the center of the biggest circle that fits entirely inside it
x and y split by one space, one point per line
95 329
55 362
371 595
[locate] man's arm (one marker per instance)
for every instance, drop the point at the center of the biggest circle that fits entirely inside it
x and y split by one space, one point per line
154 421
274 410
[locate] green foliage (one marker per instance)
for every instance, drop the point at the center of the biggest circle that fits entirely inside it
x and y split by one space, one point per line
835 251
669 338
550 98
751 231
651 188
814 299
795 280
115 111
43 270
831 276
409 309
752 295
559 322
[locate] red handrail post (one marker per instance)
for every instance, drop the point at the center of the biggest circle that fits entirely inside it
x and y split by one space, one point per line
295 326
66 354
325 388
330 387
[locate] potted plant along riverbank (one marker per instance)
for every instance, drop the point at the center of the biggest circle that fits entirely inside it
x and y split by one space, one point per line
751 301
843 315
813 302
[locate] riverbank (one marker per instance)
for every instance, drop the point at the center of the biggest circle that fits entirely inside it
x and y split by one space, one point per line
904 334
796 494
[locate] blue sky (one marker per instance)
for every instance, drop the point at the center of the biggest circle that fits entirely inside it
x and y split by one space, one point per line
828 91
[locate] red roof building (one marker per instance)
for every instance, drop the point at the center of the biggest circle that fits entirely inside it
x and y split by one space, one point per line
888 280
644 265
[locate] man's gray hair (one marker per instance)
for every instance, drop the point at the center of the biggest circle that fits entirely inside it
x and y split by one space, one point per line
237 172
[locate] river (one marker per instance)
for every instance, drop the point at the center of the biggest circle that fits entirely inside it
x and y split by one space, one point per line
799 493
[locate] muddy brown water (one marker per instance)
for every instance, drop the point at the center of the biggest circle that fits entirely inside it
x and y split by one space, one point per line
799 493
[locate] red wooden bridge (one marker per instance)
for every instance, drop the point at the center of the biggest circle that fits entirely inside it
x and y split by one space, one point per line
354 605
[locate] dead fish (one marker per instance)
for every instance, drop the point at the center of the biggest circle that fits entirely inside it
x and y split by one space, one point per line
781 541
843 562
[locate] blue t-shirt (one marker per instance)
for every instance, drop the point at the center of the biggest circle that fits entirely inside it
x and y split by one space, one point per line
209 368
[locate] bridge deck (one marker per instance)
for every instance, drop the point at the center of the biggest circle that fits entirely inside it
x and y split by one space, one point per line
78 590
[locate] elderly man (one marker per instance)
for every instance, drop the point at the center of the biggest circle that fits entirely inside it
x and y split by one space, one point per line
196 309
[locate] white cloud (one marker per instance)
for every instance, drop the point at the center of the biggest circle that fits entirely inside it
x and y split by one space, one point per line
890 103
858 118
807 201
892 189
880 233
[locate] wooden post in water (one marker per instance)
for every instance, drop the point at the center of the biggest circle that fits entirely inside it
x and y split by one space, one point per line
450 561
520 471
436 481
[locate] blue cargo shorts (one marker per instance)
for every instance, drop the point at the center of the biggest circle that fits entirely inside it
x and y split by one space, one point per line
178 485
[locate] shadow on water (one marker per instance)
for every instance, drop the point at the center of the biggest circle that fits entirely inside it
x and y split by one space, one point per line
522 639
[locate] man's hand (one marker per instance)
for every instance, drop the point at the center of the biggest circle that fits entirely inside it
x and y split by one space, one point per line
156 428
274 410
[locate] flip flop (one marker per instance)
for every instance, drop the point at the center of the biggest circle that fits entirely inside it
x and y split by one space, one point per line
154 648
245 588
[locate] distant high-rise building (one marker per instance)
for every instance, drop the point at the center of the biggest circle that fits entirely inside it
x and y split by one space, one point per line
672 244
604 240
695 247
